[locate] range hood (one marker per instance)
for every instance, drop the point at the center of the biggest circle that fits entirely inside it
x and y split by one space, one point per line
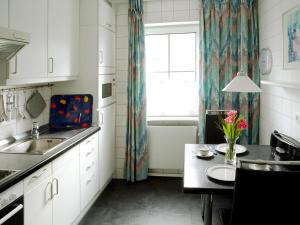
11 42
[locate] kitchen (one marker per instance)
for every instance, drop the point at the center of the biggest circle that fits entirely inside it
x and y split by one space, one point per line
80 47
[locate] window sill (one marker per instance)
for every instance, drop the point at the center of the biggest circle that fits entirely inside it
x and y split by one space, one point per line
172 121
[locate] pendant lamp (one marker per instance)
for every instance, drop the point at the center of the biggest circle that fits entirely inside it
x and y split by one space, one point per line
241 82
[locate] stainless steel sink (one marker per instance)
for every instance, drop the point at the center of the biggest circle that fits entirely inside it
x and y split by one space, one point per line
33 146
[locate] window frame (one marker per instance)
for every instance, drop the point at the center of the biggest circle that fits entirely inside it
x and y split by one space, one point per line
176 28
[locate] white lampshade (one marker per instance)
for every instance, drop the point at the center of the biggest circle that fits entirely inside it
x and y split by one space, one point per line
241 83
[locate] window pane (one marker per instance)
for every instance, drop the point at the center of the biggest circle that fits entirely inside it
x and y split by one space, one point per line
172 99
156 53
182 52
157 77
183 76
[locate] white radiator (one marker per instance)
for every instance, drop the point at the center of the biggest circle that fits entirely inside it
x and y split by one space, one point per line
166 147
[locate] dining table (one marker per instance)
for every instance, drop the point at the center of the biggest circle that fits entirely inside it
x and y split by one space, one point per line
197 181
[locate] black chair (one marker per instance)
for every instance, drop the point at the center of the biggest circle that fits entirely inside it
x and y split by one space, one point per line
265 197
213 135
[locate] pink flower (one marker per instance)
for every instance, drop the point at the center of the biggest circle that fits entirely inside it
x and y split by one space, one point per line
232 113
242 124
229 119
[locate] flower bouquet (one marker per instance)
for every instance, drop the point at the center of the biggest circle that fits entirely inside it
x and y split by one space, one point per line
232 127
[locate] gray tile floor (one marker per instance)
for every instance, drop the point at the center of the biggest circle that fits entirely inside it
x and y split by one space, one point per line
157 201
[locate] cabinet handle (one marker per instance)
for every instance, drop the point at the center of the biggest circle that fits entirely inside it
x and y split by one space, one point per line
109 25
55 180
51 189
51 65
101 118
100 57
90 140
38 176
16 65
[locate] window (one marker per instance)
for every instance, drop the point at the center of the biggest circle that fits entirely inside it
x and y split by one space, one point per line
171 71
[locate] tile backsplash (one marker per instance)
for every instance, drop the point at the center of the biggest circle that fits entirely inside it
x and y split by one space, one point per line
20 124
280 107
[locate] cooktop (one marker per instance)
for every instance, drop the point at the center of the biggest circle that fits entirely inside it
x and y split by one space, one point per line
6 173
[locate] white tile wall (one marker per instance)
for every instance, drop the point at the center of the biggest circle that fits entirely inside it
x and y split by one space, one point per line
279 106
17 126
158 11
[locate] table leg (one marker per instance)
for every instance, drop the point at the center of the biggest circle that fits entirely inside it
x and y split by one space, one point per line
207 211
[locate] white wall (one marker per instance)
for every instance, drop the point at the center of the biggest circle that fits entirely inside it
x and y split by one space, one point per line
279 106
13 127
158 11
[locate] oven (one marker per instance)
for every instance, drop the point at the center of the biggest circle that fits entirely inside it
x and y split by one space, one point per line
12 206
107 90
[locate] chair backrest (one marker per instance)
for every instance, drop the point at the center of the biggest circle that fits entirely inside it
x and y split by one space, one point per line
266 197
213 135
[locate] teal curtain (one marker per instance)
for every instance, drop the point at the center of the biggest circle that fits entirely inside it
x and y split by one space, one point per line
228 44
136 160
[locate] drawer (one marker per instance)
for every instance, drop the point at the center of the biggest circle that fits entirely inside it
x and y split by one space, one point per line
89 187
89 143
37 177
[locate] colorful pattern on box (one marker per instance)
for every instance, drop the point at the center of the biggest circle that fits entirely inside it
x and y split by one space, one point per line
71 111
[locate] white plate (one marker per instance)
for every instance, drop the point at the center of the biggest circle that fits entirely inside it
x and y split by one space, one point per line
209 154
221 172
239 149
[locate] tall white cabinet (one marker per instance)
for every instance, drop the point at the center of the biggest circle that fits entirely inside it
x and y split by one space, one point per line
107 143
97 58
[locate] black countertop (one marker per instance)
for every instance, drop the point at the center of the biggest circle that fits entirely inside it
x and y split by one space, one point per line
27 163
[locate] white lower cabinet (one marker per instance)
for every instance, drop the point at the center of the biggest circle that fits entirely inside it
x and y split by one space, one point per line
52 194
89 170
66 190
38 197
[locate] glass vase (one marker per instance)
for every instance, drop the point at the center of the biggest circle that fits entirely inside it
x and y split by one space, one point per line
230 155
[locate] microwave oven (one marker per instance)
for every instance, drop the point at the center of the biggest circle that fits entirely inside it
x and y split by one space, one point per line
107 90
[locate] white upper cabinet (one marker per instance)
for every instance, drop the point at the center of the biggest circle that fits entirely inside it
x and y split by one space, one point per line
30 16
106 15
63 37
106 51
4 13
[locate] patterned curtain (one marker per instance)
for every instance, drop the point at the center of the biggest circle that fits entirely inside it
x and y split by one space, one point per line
228 44
136 161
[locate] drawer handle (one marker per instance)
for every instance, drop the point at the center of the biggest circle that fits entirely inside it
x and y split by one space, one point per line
88 153
38 176
90 140
90 180
90 166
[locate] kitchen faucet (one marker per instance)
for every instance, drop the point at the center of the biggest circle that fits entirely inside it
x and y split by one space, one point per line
35 130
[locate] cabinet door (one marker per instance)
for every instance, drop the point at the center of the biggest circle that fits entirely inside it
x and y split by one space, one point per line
107 143
106 51
63 37
30 16
66 188
4 13
106 15
37 198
